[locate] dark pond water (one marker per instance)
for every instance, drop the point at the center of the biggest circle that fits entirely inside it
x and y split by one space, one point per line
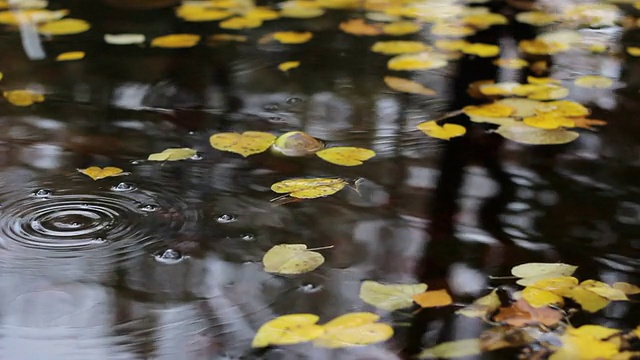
165 263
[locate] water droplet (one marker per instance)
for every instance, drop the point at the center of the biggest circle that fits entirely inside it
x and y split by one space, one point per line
99 240
191 132
136 162
42 192
148 207
123 186
294 100
247 237
271 107
227 218
169 256
197 157
310 288
275 119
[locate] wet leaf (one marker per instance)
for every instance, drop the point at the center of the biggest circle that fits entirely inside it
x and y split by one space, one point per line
627 288
64 27
485 20
435 298
419 61
71 55
532 272
489 110
633 50
240 23
588 300
97 173
557 285
291 259
401 28
262 13
309 188
297 143
536 18
301 11
587 344
503 337
197 13
245 144
353 329
521 107
482 307
585 123
562 108
481 50
512 63
292 37
604 290
593 82
173 154
22 97
360 27
452 349
176 41
540 298
390 297
345 155
520 313
525 134
124 39
408 86
399 47
288 330
288 65
548 121
546 92
444 132
541 47
452 30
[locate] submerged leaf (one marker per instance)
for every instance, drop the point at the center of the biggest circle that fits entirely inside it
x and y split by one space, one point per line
173 154
291 259
390 297
444 132
245 144
533 136
520 313
353 329
346 155
288 330
408 86
452 349
309 188
97 173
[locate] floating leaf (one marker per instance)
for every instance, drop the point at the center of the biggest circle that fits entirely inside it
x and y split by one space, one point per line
71 55
124 39
450 29
419 61
301 12
588 300
504 337
197 13
245 144
240 23
489 110
401 28
521 107
408 86
562 108
485 20
288 65
12 17
593 82
541 47
173 154
586 342
452 349
545 92
288 330
532 272
482 306
97 173
64 27
633 50
525 134
291 259
604 290
353 329
585 123
309 188
433 298
520 313
346 155
262 13
176 41
627 288
390 297
444 132
399 47
297 143
360 27
540 298
557 285
292 37
548 121
511 63
22 97
481 50
536 18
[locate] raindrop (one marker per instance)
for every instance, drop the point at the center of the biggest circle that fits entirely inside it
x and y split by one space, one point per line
197 157
271 107
99 240
275 119
294 100
247 237
148 207
310 288
169 256
227 218
42 192
136 162
123 186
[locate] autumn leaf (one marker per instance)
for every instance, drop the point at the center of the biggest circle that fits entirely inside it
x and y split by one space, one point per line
525 134
435 298
633 50
297 143
288 65
401 28
360 27
198 13
520 313
604 290
22 97
245 144
540 298
593 82
309 188
64 27
346 155
444 132
124 39
71 55
301 11
481 50
511 63
558 285
240 23
291 259
353 329
521 107
418 61
97 173
588 300
536 18
627 288
292 37
288 330
176 41
489 110
399 47
173 154
532 272
12 17
586 342
585 123
408 86
262 13
481 307
548 121
452 349
390 297
562 108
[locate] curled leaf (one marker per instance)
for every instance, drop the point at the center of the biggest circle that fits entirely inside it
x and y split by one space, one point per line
173 154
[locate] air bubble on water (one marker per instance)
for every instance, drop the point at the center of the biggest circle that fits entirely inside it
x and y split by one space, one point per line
99 241
310 288
42 193
294 100
271 107
136 162
227 218
169 256
148 207
247 237
197 157
123 186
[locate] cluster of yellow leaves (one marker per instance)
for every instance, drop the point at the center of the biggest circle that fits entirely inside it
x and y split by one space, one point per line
392 297
352 329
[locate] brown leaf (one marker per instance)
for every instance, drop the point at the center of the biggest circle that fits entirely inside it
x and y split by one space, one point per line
521 313
360 28
433 298
503 337
585 123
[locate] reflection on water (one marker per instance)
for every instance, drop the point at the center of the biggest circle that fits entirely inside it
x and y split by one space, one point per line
166 263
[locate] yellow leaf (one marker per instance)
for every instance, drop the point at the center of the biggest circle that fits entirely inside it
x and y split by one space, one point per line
262 13
198 13
482 306
419 61
557 285
22 97
360 28
240 23
288 330
408 86
345 155
547 92
353 329
548 121
97 173
536 18
288 65
173 154
512 63
526 134
301 12
585 123
539 271
485 20
16 17
482 50
593 82
489 110
291 259
451 29
522 107
583 347
444 132
64 27
542 80
71 55
627 288
309 188
604 290
499 89
390 297
563 108
452 349
175 41
540 47
588 300
401 28
292 37
539 298
633 50
245 144
399 47
433 298
124 39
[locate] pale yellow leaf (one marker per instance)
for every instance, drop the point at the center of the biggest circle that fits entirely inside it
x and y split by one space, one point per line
408 86
173 154
452 349
309 188
346 155
525 134
288 330
291 259
353 329
389 297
